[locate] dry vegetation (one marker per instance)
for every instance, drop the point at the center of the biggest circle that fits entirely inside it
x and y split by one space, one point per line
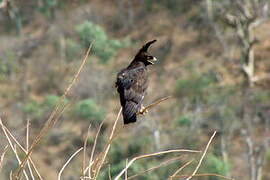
60 116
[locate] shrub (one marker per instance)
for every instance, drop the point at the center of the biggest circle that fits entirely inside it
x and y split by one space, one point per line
51 101
37 110
103 47
47 7
7 64
34 109
183 121
195 86
72 50
88 109
216 165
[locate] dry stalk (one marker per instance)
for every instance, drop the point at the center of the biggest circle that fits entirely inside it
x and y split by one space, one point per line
203 175
84 151
151 155
109 173
22 148
13 147
2 157
202 157
93 151
126 172
156 167
104 155
153 105
180 169
64 166
27 147
53 117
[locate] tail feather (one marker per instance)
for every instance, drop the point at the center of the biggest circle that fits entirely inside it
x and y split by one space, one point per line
130 112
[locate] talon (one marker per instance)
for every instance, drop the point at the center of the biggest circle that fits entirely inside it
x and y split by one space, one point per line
143 110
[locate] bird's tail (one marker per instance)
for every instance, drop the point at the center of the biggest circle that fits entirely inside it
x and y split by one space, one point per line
130 112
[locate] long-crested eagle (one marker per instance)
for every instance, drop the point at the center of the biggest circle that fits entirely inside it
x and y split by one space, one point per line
132 83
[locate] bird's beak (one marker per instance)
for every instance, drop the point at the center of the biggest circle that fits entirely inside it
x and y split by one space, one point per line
152 60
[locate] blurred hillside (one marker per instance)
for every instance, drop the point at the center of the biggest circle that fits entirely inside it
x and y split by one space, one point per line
213 59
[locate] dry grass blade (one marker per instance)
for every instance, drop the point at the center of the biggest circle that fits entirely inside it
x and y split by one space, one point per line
13 147
65 165
53 117
2 157
27 147
202 157
156 167
151 155
181 168
203 175
22 148
109 173
154 104
93 151
84 151
126 172
104 155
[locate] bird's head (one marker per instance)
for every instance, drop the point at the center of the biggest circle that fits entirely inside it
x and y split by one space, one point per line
144 56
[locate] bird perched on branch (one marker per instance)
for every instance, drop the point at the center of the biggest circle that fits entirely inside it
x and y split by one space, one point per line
132 83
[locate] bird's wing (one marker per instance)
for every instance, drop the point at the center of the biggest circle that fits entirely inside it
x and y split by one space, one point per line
131 84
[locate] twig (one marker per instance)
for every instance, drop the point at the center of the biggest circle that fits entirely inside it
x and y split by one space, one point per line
64 166
150 155
204 153
206 174
156 167
2 157
109 172
126 172
27 147
108 144
13 147
22 148
84 151
181 168
153 105
93 150
52 119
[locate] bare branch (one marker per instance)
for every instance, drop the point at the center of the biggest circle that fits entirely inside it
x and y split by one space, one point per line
104 155
151 155
2 157
203 175
84 151
181 168
202 157
153 104
64 166
53 117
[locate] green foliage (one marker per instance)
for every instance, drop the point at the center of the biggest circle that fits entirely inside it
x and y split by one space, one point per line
184 121
38 109
217 166
34 109
51 101
47 7
117 153
195 86
261 96
176 7
268 155
7 64
104 47
88 109
72 50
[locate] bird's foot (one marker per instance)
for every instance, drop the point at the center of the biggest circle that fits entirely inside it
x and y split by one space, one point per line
143 110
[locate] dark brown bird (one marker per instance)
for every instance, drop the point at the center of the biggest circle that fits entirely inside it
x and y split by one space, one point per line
132 83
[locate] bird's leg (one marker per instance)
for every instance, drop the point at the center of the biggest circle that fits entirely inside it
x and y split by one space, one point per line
143 110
